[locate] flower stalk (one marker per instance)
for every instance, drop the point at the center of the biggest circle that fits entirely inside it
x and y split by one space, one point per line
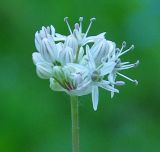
75 124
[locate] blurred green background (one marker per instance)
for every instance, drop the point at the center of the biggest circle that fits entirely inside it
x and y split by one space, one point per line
35 119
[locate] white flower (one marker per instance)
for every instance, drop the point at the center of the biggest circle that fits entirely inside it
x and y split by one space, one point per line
97 77
43 33
114 55
72 78
51 54
46 32
75 68
78 51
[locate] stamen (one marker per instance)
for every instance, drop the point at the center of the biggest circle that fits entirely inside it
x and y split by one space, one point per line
135 81
123 46
123 63
90 24
131 48
80 22
134 64
123 67
66 20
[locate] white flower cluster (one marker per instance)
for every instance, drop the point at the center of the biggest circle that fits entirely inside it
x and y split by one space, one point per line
79 64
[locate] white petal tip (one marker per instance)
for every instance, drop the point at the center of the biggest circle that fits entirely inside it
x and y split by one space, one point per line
95 109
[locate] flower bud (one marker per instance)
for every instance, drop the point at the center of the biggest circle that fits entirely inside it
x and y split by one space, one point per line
81 54
44 70
72 43
58 72
43 33
100 51
37 58
63 77
55 86
66 55
49 50
112 49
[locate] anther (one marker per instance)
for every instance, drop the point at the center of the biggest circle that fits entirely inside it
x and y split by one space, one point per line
136 82
137 63
132 47
66 19
92 19
80 19
124 44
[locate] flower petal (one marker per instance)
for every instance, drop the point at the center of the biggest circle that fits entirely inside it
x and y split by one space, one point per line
91 39
105 85
91 62
107 68
44 70
77 34
66 55
38 41
77 67
37 58
52 30
84 90
95 96
55 86
81 54
72 43
112 77
59 37
50 51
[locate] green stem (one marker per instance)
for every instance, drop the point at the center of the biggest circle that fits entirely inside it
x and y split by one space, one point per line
75 125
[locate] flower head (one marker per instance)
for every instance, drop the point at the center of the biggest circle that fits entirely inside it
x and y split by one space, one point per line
76 67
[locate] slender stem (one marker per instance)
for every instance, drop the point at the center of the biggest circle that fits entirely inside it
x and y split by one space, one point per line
75 125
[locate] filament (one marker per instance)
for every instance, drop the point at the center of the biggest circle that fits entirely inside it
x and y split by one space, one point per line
66 20
135 81
90 24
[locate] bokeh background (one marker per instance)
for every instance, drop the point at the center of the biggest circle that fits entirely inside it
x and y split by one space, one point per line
35 119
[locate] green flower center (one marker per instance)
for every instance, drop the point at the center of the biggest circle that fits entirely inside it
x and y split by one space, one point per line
96 76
